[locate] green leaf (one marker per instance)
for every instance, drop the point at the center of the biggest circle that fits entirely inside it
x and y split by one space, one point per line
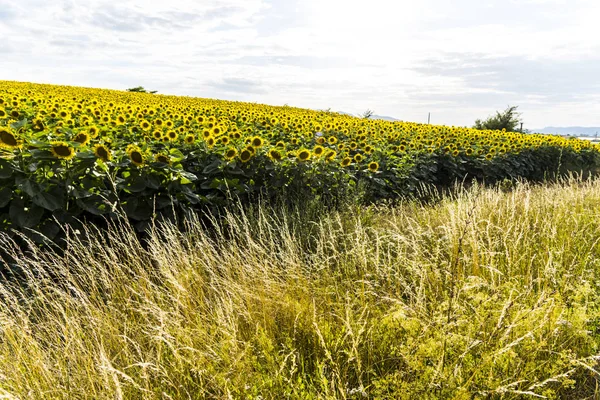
24 217
5 196
6 169
49 201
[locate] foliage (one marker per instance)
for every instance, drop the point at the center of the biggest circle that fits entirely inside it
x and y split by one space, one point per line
140 89
70 155
484 295
507 120
367 114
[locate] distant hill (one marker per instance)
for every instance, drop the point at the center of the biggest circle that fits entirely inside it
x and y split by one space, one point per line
383 117
569 130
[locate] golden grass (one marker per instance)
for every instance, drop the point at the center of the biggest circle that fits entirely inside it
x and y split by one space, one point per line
487 294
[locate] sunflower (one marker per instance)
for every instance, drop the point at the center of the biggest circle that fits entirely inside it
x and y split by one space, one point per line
172 135
304 155
318 151
206 133
358 157
102 152
330 155
82 138
225 140
245 155
320 140
275 155
373 166
257 142
2 113
62 150
216 131
157 135
136 156
230 153
8 139
162 158
190 139
332 140
346 161
145 125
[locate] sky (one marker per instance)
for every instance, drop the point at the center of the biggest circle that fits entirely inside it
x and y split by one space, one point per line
458 60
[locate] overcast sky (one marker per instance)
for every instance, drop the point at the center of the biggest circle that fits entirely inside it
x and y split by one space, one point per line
459 59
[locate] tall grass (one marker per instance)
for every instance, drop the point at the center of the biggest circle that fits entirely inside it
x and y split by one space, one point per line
486 294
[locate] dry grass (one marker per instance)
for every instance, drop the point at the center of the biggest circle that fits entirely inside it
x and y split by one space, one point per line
487 294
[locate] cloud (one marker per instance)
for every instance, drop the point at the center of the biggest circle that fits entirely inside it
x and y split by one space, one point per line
460 60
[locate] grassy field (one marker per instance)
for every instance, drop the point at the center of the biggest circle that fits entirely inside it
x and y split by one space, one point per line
488 293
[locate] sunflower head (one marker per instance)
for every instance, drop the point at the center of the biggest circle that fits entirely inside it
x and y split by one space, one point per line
318 151
8 139
135 155
257 142
190 139
162 158
303 155
157 135
245 155
373 166
230 153
358 157
62 150
330 155
275 155
102 152
145 125
172 135
82 138
346 161
210 142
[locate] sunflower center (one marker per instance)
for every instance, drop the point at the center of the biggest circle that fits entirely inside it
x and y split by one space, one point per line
102 153
62 150
136 157
8 138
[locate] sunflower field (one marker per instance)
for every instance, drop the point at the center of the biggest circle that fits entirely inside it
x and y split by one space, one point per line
70 154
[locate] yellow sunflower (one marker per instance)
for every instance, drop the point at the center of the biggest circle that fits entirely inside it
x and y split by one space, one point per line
245 155
136 156
346 161
162 158
275 155
303 155
230 153
102 152
8 139
373 166
82 137
62 150
190 139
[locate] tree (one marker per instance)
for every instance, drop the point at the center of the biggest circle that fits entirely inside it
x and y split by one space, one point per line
140 89
367 114
509 119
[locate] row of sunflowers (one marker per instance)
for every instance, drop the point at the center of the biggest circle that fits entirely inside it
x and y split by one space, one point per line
69 153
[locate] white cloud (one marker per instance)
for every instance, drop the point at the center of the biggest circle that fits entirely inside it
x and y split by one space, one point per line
343 54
